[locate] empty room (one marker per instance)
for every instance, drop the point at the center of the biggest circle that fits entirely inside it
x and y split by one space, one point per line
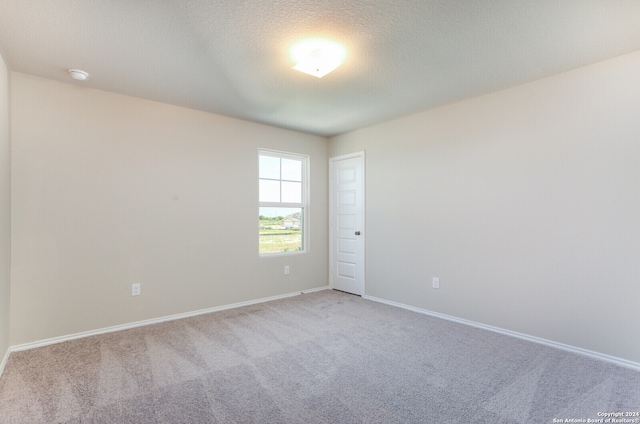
319 212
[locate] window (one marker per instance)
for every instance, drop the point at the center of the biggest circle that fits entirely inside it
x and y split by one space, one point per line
283 202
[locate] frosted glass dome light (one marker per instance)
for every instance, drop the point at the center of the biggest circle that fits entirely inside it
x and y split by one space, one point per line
317 56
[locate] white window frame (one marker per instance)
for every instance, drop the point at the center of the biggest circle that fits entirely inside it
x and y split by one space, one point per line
303 205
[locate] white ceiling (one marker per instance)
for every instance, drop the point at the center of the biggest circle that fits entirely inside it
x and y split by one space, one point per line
231 57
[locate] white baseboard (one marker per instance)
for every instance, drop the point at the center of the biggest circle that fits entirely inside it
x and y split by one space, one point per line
596 355
4 361
136 324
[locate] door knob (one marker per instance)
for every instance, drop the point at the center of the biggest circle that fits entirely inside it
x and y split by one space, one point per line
357 233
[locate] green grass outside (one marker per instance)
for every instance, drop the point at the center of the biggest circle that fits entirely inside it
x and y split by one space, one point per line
280 240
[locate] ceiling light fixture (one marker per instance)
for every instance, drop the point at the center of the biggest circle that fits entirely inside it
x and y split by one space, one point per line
78 74
317 56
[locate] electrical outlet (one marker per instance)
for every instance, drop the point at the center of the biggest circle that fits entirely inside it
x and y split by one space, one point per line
135 289
286 269
435 282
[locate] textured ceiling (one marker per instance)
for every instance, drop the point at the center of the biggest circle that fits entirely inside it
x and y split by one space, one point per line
231 57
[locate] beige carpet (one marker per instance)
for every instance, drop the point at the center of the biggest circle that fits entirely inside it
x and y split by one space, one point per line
325 357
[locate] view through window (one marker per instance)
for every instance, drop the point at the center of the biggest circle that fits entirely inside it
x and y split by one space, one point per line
282 199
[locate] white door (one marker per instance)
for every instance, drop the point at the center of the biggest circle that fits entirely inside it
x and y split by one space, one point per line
347 233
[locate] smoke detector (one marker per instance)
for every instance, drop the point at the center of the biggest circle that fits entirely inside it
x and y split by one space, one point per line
78 74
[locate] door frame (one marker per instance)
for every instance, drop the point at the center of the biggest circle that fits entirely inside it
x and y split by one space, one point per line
332 235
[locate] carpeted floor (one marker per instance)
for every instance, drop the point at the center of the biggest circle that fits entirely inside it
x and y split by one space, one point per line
325 357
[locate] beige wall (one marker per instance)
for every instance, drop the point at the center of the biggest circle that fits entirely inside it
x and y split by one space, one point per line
110 190
525 202
5 210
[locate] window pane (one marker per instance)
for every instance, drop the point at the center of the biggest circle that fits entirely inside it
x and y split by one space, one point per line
291 192
282 182
270 167
269 191
280 230
291 170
